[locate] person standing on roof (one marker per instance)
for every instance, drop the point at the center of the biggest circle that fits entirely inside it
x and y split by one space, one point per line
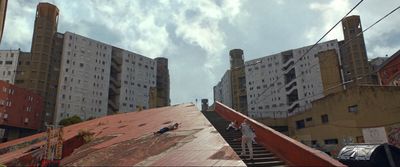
247 138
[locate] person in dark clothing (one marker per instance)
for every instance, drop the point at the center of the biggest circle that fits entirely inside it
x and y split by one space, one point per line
166 129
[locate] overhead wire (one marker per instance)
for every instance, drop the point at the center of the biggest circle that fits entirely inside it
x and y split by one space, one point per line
309 49
347 42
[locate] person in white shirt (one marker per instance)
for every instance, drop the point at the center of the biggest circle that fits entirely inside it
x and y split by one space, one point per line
247 138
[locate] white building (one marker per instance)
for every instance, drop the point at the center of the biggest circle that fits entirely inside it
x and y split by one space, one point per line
8 65
97 79
223 90
138 74
285 83
84 78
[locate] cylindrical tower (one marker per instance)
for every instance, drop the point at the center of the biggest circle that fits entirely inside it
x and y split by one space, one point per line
162 82
236 58
354 54
45 60
43 33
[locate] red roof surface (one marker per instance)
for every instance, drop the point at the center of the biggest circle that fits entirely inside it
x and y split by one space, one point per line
127 139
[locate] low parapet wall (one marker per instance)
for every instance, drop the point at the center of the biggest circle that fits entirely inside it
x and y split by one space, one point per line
291 151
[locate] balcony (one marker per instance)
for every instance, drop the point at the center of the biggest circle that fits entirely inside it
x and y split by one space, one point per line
116 59
288 65
112 105
292 108
115 82
291 85
286 56
290 76
292 97
291 91
113 90
115 67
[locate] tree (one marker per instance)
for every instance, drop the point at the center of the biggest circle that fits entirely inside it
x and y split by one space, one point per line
70 120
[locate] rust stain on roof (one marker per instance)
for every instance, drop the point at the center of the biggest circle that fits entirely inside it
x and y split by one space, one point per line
127 139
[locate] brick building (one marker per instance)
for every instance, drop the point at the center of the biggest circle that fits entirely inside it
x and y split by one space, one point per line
20 111
389 71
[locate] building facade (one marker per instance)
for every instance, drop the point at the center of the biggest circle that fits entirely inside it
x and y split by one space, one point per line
138 75
8 65
80 76
97 79
389 71
3 12
162 83
238 81
353 52
286 83
223 90
375 64
339 119
84 78
20 112
40 70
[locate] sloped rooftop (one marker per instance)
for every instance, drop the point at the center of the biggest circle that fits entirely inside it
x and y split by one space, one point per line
127 139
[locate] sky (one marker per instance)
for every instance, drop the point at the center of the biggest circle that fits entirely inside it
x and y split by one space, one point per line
196 35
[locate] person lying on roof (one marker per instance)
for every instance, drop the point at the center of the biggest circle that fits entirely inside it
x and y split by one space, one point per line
166 129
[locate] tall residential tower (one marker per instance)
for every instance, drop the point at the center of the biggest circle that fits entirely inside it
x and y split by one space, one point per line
238 81
162 85
42 74
353 52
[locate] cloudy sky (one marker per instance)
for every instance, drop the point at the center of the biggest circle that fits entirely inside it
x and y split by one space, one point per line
196 35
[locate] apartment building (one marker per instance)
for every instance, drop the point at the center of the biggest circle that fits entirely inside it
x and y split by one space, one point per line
223 90
39 71
84 78
285 83
3 12
8 65
77 75
162 83
20 112
354 53
132 76
238 81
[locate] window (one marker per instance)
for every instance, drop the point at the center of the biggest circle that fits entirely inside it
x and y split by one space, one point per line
300 124
331 141
8 62
308 119
353 108
324 118
80 64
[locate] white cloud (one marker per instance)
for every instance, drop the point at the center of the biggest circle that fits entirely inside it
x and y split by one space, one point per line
18 28
378 39
331 13
197 34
